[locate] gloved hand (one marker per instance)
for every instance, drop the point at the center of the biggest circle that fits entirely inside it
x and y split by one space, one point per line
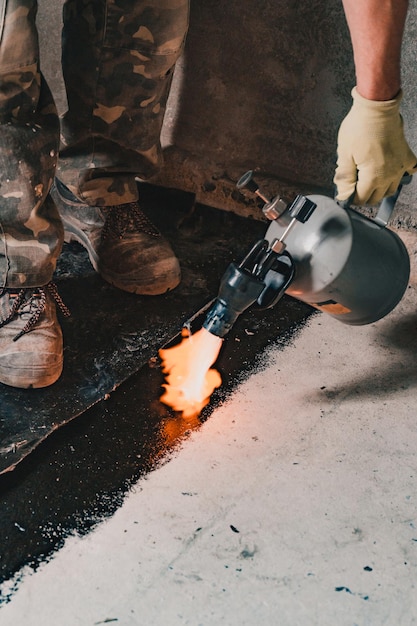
372 151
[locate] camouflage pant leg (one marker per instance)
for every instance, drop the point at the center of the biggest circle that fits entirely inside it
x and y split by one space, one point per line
118 61
31 233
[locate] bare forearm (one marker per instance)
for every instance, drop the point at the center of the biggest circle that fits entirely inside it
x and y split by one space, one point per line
376 29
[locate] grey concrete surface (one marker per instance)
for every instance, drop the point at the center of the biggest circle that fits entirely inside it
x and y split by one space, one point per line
260 88
293 505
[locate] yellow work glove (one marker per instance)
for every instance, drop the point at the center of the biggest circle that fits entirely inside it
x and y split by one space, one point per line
372 151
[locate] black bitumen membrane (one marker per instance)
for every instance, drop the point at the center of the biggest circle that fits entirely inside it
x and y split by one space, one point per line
70 453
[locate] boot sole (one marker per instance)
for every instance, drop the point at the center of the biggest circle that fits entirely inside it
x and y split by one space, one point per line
31 377
153 288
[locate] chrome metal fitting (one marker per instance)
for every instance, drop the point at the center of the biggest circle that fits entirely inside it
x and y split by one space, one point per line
277 246
275 208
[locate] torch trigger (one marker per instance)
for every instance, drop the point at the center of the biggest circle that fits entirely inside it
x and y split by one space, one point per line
251 260
277 279
259 260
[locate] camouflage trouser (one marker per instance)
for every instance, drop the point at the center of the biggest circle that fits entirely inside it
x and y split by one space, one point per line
118 58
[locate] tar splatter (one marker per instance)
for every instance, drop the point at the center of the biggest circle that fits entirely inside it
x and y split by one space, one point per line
249 553
347 590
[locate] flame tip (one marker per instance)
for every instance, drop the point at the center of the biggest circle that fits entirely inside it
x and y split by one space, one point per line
190 380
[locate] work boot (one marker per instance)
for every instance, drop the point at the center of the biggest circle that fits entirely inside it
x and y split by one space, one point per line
123 245
31 350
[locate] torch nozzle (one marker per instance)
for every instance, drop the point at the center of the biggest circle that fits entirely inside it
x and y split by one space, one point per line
238 290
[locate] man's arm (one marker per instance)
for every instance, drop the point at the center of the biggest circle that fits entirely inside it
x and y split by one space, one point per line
376 30
373 154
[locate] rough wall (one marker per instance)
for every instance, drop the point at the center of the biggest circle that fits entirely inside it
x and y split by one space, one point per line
261 86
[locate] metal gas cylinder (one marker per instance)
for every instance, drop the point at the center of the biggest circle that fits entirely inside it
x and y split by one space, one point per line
351 267
347 265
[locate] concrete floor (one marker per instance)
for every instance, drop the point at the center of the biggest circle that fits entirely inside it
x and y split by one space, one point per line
293 505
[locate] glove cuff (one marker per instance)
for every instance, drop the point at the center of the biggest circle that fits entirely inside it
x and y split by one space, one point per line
384 106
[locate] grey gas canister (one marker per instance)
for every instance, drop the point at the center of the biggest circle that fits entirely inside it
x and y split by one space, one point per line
352 267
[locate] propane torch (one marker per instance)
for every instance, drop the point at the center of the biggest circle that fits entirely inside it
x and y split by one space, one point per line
341 262
265 272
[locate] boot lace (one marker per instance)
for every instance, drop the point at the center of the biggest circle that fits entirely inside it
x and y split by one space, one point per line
124 218
32 300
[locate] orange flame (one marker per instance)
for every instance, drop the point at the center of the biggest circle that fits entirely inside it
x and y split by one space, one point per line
190 381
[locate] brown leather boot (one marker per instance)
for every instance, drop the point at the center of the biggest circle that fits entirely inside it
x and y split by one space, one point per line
123 245
31 347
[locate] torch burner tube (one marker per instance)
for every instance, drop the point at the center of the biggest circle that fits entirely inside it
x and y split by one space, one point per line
262 277
238 290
